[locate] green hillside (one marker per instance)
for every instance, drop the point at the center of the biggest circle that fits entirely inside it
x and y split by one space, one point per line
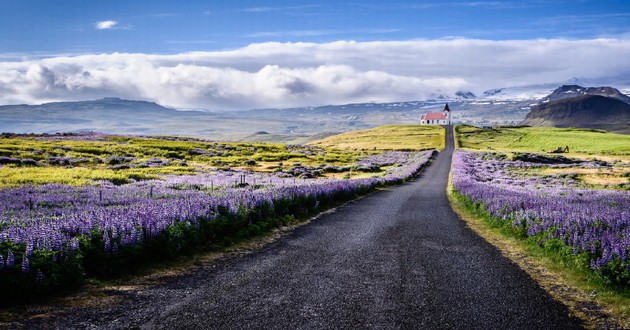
397 137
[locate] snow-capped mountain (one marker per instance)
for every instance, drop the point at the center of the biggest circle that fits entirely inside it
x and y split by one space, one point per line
520 93
571 91
537 92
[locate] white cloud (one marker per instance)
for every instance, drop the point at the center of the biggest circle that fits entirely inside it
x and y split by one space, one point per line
104 25
300 74
258 9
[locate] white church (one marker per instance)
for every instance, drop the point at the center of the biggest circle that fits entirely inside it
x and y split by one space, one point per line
437 118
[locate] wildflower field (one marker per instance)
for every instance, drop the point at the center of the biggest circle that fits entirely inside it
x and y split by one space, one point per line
549 199
575 205
81 205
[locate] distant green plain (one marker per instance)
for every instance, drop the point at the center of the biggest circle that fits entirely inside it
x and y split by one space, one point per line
544 139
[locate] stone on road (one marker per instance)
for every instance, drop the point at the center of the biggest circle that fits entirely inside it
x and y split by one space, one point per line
397 259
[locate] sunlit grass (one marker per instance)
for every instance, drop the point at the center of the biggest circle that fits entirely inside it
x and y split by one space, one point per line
16 176
398 137
123 159
544 139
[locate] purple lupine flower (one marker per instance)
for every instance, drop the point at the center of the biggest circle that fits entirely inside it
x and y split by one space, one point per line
130 215
29 249
10 259
25 265
555 207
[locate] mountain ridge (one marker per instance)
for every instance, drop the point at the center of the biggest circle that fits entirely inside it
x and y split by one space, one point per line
587 111
571 91
111 103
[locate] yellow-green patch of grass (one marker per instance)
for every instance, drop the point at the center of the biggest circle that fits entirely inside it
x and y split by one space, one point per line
594 176
612 177
544 139
596 304
397 137
76 176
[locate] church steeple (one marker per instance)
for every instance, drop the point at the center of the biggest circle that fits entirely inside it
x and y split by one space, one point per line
447 112
446 108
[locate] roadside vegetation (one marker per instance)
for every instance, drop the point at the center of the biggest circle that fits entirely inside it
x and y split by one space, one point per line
94 206
567 210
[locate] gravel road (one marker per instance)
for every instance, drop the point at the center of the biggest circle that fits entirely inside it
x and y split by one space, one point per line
396 259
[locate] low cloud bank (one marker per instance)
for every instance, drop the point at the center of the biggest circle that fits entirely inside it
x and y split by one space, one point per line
303 74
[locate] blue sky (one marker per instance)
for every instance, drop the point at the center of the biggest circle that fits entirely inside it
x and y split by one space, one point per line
235 55
167 27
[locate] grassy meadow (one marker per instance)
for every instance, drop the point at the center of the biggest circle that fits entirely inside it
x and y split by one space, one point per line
78 160
544 139
72 159
585 144
395 137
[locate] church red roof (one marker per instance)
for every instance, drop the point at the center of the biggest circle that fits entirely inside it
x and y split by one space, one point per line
434 116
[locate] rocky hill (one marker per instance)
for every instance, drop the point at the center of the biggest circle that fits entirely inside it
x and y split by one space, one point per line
572 91
589 111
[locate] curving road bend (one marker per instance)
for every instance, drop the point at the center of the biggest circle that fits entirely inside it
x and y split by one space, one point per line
396 259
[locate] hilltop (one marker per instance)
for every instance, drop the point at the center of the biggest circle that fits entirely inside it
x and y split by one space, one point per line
394 137
573 91
574 106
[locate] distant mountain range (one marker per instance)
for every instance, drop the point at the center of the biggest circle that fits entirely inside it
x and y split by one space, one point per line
575 106
295 125
292 125
108 105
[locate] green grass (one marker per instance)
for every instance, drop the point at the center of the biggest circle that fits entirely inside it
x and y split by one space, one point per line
544 139
399 137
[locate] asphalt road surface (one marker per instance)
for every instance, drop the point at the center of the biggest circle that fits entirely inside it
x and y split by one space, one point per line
396 259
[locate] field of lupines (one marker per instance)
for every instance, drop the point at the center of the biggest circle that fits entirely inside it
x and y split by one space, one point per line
53 235
557 211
